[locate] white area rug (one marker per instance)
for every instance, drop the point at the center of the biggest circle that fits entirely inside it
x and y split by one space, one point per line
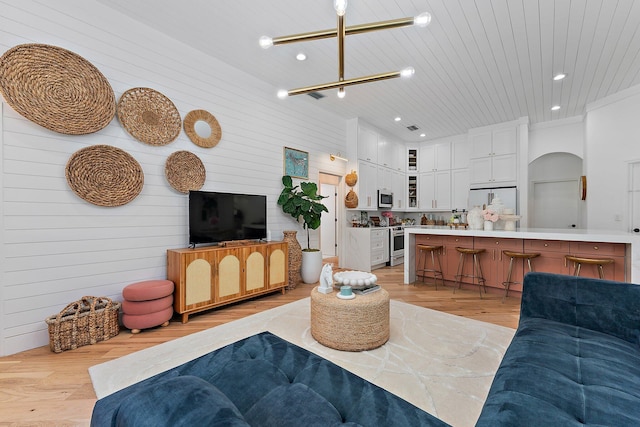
439 362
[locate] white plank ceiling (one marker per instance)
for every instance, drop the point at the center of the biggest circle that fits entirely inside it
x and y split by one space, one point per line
480 62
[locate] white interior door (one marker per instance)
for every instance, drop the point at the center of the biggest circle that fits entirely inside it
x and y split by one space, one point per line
555 204
329 221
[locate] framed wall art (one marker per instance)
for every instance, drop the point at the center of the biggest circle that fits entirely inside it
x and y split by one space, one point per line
296 163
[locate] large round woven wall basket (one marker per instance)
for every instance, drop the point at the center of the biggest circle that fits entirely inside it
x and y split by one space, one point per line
185 171
56 89
149 116
104 175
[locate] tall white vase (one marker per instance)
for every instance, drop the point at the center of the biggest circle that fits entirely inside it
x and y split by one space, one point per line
311 266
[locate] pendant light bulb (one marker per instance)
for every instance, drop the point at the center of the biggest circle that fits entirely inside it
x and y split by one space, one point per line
340 6
265 42
407 72
341 93
422 20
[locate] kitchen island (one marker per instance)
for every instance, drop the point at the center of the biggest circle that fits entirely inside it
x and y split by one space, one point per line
553 244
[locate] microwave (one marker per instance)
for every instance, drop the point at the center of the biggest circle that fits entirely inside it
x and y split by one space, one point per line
385 199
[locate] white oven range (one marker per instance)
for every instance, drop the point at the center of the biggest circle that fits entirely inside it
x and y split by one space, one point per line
396 246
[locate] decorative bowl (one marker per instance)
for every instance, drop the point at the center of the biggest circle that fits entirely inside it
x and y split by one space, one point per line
355 279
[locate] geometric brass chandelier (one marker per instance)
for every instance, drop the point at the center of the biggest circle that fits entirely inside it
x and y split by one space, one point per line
340 33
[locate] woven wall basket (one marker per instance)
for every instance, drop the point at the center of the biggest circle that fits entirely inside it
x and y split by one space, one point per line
56 89
149 116
189 128
104 175
185 171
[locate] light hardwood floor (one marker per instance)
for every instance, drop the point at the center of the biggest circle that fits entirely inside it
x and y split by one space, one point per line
41 388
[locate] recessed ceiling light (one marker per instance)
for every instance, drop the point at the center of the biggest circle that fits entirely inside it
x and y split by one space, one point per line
397 119
422 135
555 108
301 56
559 76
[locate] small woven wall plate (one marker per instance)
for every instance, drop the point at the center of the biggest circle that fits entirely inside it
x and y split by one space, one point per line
185 171
104 175
149 116
56 89
189 124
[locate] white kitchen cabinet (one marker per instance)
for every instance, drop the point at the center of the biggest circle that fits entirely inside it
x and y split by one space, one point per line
366 248
493 170
493 156
460 153
385 179
367 144
385 152
399 162
434 157
367 186
399 188
435 190
493 142
460 189
379 247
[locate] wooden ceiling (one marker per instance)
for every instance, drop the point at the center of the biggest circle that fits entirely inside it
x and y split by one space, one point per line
479 62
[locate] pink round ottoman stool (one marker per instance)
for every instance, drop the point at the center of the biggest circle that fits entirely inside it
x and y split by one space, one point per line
147 304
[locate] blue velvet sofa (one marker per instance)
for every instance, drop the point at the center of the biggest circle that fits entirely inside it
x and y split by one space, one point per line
262 380
575 357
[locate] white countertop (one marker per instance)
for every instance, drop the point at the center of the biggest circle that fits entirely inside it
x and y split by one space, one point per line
610 236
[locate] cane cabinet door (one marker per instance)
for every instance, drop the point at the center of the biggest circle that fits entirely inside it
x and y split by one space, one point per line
255 263
278 256
228 274
198 284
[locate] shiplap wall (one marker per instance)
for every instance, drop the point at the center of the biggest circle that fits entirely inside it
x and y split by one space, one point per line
56 247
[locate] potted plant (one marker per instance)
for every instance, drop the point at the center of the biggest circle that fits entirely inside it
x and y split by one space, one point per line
303 202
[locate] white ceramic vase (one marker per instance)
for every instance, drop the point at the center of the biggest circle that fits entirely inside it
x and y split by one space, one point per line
488 226
474 218
311 266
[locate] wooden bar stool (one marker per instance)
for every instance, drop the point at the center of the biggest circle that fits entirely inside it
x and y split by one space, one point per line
477 269
513 256
578 261
421 265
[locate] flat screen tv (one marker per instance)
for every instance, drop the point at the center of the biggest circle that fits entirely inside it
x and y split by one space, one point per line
219 217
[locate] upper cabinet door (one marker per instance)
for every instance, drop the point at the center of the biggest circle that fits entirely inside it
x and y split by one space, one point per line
505 141
480 144
367 145
460 153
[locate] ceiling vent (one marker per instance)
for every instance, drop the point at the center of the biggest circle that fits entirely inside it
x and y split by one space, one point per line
316 95
413 128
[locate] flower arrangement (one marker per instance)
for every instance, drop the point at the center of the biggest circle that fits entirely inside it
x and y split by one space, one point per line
387 214
490 215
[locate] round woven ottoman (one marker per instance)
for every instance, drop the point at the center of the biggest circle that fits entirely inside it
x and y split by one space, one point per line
147 304
358 324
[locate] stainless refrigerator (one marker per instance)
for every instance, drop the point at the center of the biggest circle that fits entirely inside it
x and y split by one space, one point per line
484 196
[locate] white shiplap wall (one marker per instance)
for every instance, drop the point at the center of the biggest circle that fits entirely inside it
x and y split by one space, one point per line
56 247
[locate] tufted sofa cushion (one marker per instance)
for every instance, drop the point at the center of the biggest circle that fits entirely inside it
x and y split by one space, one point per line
200 403
271 382
574 359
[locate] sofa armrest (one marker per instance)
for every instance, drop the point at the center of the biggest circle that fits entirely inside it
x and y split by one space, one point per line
600 305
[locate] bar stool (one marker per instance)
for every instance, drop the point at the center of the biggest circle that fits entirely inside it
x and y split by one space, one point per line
578 261
477 269
436 271
512 256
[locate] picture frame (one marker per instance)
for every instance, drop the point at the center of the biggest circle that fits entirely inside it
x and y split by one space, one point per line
296 163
